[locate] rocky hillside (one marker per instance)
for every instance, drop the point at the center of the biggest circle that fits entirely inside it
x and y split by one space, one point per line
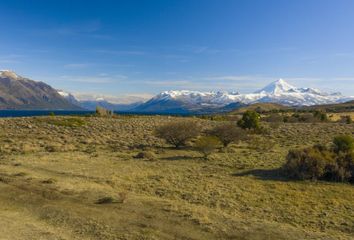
21 93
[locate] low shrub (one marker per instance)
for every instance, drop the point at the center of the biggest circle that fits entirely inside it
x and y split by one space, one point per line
207 145
102 112
322 163
178 133
348 120
306 117
228 133
342 169
273 118
321 116
307 164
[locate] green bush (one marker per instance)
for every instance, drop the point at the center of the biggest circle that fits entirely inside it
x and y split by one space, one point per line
178 133
250 120
343 143
207 145
228 133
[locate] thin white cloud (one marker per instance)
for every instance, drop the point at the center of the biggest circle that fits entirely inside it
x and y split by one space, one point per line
238 78
11 58
77 65
168 82
77 28
344 79
121 52
99 79
244 83
126 98
90 28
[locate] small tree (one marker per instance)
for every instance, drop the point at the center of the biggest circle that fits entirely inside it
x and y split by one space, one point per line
250 120
178 133
207 144
344 143
228 133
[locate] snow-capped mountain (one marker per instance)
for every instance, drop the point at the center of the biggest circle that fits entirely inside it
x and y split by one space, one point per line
69 97
185 101
277 87
276 92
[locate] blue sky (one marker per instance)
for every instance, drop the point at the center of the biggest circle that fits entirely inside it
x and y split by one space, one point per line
142 47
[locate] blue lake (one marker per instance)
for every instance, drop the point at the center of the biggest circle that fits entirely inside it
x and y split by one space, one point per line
33 113
30 113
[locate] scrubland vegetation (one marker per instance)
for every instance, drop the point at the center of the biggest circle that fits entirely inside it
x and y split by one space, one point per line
246 176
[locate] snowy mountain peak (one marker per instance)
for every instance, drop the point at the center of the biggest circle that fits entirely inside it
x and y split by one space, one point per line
279 92
63 94
278 87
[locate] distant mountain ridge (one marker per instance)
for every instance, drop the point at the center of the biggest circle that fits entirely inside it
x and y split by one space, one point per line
190 102
98 102
279 92
19 93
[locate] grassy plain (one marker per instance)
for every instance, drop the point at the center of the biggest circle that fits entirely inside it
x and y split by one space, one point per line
79 179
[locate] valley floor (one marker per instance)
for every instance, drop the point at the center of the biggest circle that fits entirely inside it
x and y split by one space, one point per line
52 174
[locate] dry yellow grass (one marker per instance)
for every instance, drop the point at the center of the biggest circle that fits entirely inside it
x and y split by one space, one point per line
337 116
51 177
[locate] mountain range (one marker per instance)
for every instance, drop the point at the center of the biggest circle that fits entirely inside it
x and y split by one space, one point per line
98 102
279 92
17 92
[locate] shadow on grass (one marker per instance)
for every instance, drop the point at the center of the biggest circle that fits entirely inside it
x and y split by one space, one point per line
264 174
177 158
186 148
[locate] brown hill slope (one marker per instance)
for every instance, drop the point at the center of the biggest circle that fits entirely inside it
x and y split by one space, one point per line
19 93
340 107
260 107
